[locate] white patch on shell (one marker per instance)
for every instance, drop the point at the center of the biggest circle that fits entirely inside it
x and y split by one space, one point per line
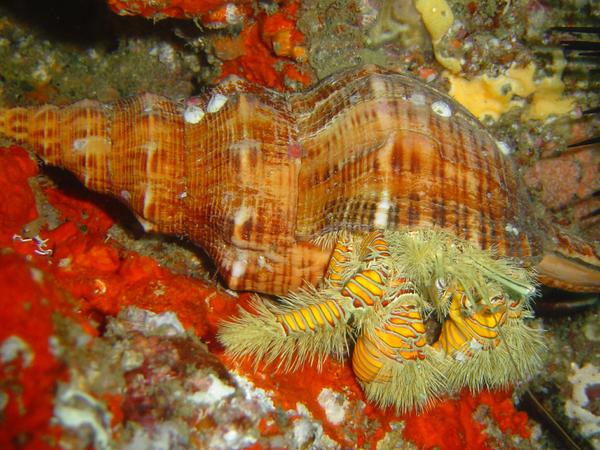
92 147
146 224
216 102
238 268
441 108
148 102
379 90
193 114
510 228
417 98
148 199
241 215
148 108
151 148
264 264
378 87
382 212
79 144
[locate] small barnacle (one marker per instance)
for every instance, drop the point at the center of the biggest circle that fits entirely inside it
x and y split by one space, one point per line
193 114
441 108
215 103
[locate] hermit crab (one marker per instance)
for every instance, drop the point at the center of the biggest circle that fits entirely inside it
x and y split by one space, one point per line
373 204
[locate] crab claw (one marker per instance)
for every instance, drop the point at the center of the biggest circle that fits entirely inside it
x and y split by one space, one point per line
570 263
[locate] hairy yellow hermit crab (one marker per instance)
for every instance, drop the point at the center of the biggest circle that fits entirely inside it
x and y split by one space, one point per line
382 290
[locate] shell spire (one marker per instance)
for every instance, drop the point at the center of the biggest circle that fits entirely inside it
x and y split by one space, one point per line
211 169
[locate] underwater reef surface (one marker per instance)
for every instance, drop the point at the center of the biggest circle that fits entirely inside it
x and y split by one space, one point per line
108 334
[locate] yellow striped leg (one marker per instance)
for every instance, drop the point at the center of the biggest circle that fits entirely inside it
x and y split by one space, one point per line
400 337
464 331
310 317
374 247
367 286
339 261
393 362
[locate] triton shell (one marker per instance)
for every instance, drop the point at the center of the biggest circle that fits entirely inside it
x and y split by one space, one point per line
254 176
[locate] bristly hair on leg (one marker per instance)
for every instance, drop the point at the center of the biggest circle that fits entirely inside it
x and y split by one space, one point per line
515 359
523 344
327 240
408 385
391 357
491 347
305 327
434 259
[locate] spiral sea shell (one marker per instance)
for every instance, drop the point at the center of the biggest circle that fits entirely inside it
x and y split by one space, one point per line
255 177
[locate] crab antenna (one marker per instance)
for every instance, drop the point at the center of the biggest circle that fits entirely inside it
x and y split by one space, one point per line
522 288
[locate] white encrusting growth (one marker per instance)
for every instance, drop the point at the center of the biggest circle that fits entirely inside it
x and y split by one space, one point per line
382 212
441 108
216 102
334 404
193 114
232 14
579 407
216 392
75 409
13 347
